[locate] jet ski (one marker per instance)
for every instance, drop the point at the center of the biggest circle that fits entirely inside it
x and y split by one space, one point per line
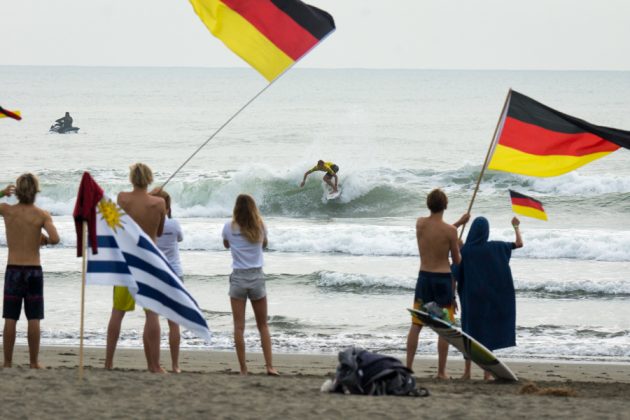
58 128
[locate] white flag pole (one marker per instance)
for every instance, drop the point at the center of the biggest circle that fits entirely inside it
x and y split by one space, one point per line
83 274
218 130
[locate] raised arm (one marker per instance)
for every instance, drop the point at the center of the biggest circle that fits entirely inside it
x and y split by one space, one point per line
516 224
462 220
7 191
456 256
51 230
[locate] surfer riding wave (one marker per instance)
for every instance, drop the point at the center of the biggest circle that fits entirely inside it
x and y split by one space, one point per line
331 170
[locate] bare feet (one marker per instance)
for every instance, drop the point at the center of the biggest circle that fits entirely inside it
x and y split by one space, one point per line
176 369
158 370
442 377
37 366
6 365
466 376
488 377
243 372
272 372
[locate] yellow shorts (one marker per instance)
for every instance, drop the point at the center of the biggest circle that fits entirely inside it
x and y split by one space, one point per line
123 301
417 304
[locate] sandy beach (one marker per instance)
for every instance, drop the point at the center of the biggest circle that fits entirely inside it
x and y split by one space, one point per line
210 387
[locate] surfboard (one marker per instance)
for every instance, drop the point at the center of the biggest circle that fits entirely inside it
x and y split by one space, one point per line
333 195
469 347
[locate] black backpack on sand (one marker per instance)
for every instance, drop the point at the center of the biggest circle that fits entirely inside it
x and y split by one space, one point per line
363 372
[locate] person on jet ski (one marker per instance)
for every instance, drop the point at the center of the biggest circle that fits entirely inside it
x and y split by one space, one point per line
65 122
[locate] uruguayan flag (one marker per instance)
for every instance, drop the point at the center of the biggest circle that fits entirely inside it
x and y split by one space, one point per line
128 257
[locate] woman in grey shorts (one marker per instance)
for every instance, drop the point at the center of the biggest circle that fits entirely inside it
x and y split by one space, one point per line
246 236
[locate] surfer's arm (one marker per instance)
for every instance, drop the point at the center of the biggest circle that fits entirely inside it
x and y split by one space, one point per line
516 224
306 174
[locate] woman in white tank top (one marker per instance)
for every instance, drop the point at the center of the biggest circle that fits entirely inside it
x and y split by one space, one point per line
246 236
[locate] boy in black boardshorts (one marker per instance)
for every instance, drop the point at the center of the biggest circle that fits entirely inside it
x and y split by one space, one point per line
436 241
23 279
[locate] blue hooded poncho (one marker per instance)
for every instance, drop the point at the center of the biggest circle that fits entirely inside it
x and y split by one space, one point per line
486 288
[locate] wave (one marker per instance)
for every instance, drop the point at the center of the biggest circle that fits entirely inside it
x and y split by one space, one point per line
359 239
549 288
374 192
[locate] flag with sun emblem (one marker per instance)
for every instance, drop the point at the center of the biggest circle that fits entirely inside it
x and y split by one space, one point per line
122 254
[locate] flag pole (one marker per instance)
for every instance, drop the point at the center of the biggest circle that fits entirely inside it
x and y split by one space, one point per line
218 130
84 269
485 162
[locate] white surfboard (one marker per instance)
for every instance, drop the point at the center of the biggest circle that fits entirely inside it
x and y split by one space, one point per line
333 195
470 347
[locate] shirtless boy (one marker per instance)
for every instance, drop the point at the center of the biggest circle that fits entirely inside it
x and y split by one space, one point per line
149 213
23 279
436 239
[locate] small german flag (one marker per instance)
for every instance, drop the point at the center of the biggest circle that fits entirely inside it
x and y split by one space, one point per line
5 113
527 206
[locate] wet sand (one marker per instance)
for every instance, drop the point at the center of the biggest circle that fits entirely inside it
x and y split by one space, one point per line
210 387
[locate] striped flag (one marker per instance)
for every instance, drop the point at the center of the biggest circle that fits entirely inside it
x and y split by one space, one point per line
5 113
536 140
271 35
527 206
126 256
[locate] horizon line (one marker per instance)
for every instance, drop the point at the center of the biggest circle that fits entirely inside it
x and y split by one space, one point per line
320 68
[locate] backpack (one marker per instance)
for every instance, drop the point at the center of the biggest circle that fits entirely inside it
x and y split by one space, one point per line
363 372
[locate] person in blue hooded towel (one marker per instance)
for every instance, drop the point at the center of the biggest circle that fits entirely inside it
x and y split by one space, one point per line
486 288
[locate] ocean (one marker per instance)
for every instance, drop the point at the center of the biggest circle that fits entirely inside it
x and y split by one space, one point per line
339 273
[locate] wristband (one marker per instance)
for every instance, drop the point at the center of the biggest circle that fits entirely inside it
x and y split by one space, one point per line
515 226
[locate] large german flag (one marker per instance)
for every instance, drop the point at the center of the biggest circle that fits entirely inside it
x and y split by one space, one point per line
536 140
527 206
270 35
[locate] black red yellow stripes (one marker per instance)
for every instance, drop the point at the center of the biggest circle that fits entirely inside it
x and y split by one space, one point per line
540 141
527 206
5 113
271 35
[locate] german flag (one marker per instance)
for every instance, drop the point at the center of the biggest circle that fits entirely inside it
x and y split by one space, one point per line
5 113
536 140
527 206
271 35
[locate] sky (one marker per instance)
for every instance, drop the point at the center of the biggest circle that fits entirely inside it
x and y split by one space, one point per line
424 34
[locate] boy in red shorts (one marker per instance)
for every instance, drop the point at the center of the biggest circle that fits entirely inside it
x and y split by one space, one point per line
24 280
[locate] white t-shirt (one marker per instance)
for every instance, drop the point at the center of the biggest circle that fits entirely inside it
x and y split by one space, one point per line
245 254
167 243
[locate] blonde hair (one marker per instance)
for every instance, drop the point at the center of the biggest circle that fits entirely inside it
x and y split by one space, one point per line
140 175
26 187
167 199
247 217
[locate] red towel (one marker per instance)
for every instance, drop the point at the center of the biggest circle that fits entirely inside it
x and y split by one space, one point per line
90 193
